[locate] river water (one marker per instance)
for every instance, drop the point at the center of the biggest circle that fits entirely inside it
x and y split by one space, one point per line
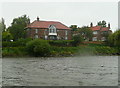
61 71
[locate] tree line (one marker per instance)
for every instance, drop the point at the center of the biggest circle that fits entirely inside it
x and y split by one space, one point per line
16 30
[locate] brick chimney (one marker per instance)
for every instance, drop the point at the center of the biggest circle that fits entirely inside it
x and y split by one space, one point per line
91 24
38 18
109 25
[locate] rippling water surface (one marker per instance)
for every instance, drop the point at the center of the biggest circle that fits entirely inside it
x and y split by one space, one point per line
67 71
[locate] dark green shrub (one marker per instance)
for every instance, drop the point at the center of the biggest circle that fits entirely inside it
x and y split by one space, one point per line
114 39
18 43
22 42
60 42
6 36
38 47
77 39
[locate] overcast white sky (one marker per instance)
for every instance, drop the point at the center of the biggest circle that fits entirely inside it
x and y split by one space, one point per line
69 13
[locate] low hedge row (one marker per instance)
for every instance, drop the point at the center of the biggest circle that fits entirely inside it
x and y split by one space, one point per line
60 42
22 42
18 43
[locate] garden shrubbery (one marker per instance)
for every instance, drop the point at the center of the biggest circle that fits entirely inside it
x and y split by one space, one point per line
18 43
114 39
38 47
60 42
77 39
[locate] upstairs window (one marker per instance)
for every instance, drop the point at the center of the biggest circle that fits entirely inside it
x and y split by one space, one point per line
52 29
95 32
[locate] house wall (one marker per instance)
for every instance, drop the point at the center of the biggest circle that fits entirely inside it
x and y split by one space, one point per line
98 35
31 32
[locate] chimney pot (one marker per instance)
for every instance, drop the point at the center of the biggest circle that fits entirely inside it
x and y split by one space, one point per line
109 25
91 25
37 18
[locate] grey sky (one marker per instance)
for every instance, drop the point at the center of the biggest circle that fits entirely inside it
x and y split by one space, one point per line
69 13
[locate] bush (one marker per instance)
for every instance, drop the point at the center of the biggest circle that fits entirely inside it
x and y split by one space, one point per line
114 39
22 42
38 47
6 36
77 39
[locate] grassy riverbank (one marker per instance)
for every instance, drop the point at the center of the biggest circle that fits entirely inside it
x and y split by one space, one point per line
59 48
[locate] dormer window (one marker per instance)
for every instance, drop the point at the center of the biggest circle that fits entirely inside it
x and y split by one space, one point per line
52 29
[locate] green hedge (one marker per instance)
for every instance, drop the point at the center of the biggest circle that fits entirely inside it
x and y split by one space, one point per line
18 43
60 42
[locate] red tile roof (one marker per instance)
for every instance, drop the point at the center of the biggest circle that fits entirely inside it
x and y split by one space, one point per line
95 28
46 24
105 29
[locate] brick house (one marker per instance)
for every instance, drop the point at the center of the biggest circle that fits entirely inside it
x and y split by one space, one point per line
49 30
100 33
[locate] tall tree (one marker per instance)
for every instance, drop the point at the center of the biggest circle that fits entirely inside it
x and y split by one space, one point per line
114 39
103 23
17 28
86 32
73 27
2 25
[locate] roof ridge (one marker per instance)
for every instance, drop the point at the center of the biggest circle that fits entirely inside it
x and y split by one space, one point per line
64 24
46 21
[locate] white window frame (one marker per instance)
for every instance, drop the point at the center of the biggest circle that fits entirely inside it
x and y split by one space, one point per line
94 39
46 37
36 30
52 29
66 38
36 36
95 32
66 32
